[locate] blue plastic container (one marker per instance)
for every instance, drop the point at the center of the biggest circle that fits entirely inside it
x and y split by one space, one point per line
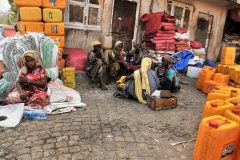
36 114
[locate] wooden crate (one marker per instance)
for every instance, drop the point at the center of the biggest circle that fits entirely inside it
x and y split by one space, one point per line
161 103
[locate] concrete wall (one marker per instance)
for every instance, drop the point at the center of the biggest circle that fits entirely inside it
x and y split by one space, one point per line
82 38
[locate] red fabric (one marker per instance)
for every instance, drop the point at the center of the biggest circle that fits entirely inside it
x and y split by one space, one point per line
165 48
196 44
164 35
182 40
182 30
183 48
164 45
164 41
152 22
168 18
167 24
76 58
168 28
164 38
165 32
182 45
132 67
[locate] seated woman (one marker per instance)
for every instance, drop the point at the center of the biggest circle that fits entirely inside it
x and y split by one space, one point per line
142 82
167 75
31 83
116 61
134 58
94 64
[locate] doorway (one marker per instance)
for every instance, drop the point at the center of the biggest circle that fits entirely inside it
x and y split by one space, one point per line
204 27
123 22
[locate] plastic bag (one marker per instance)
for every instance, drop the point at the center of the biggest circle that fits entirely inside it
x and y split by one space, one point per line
13 112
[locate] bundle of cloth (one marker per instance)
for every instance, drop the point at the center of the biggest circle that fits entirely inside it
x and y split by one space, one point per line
15 47
182 40
159 33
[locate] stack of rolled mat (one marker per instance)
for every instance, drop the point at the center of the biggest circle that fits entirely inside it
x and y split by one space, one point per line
182 41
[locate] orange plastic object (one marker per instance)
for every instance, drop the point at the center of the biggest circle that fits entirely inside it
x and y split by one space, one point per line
218 67
228 55
219 77
24 27
30 14
59 40
52 15
217 139
28 3
216 107
60 4
222 87
210 84
234 115
218 94
232 71
60 53
234 100
54 29
61 64
204 76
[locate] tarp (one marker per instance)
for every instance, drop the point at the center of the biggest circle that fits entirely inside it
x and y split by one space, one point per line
152 22
184 56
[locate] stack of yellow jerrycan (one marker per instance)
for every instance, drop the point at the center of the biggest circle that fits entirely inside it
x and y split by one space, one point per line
54 27
219 132
43 16
30 16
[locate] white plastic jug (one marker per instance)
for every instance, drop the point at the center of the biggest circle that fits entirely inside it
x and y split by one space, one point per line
106 42
193 71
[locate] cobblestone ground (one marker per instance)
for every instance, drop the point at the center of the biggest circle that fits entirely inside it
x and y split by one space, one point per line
109 128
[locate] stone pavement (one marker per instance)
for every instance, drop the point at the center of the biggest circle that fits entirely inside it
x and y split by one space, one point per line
109 128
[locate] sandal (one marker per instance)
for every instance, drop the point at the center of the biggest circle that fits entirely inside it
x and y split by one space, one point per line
118 95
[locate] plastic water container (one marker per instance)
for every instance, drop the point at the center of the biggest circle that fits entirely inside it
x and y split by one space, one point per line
54 29
60 4
234 115
222 87
217 139
24 27
204 76
232 84
234 100
218 94
216 107
36 114
232 71
28 3
59 40
61 64
193 72
106 42
219 77
52 15
228 55
68 77
210 84
30 14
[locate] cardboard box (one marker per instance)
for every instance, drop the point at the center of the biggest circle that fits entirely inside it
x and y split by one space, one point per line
161 103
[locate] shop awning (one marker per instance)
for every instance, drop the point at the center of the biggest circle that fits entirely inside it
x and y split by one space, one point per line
228 4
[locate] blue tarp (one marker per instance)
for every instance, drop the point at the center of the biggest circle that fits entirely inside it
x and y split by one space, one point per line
208 62
184 56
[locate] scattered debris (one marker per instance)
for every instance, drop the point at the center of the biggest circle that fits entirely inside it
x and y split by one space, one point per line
90 150
156 140
109 136
174 144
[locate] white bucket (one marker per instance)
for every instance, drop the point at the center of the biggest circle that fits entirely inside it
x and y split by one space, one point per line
106 42
193 72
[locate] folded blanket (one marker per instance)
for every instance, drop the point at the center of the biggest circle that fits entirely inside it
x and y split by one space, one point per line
165 32
168 28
